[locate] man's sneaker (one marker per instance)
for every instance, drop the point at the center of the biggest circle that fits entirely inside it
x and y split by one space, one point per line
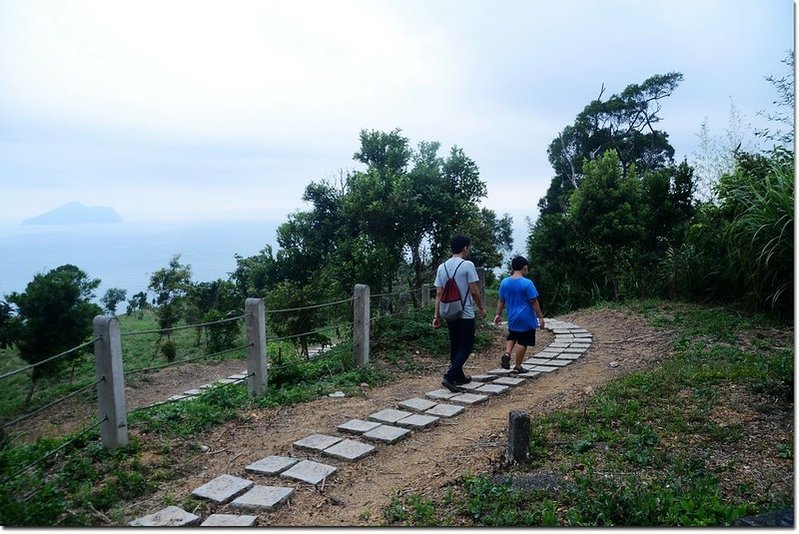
505 361
451 386
465 380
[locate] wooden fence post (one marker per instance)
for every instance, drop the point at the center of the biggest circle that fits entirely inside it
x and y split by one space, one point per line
255 328
111 382
360 325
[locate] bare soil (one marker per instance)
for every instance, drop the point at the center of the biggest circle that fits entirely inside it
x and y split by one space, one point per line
428 460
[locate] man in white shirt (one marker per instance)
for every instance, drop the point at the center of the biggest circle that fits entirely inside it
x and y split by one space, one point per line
461 330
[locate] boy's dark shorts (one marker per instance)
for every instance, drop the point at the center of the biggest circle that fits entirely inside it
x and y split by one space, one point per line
526 338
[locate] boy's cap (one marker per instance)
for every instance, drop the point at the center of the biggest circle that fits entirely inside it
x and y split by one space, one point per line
518 263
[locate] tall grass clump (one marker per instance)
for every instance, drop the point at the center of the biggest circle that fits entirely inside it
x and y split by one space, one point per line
761 232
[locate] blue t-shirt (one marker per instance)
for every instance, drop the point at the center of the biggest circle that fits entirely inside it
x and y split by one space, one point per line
517 294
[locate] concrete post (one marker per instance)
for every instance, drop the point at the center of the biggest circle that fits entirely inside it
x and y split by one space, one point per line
426 295
111 386
360 325
518 438
255 328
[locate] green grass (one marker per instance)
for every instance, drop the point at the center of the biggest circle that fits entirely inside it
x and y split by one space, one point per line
638 452
85 484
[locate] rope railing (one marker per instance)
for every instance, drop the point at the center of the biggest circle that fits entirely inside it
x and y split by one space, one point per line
53 403
50 359
187 360
377 318
320 357
301 308
54 451
157 404
406 292
318 330
185 327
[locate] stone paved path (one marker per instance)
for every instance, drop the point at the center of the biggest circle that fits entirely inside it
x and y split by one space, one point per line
379 429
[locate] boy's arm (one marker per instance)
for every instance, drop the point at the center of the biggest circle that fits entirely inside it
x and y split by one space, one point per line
538 313
500 307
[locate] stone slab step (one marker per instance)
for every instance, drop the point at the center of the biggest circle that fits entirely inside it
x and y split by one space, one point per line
349 450
483 378
230 520
445 410
469 398
442 394
309 471
263 498
389 415
223 488
387 434
418 421
357 426
171 516
271 465
417 405
492 389
316 442
508 381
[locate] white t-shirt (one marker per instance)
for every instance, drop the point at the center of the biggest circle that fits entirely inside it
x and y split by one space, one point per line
465 275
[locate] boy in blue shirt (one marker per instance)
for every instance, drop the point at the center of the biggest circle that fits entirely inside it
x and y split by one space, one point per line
521 298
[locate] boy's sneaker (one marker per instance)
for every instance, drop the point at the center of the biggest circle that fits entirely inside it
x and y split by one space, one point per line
465 380
505 361
451 386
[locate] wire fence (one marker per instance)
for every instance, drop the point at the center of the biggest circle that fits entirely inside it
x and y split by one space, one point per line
183 327
54 451
50 359
173 401
51 404
394 303
187 360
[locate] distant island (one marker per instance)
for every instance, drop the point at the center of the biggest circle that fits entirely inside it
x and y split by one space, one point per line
77 213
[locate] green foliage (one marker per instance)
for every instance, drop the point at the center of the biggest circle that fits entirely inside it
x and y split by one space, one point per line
112 298
639 451
412 331
371 225
52 315
623 122
169 349
170 285
630 227
605 212
90 480
138 304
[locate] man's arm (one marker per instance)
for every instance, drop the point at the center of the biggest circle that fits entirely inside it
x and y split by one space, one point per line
436 318
475 291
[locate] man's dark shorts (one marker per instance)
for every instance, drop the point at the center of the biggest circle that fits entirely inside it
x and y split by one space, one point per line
526 338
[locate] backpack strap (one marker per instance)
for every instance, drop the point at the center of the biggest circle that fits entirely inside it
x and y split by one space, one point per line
468 293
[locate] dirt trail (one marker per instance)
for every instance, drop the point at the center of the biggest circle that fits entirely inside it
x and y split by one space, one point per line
428 460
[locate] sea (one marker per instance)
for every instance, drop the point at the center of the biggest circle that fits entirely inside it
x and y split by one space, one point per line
124 255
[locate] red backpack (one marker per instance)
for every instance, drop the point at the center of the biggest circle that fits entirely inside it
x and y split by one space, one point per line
451 304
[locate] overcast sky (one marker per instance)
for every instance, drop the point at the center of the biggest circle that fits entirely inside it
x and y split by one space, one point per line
227 110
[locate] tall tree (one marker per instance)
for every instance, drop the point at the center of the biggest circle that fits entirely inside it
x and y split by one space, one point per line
53 315
170 285
605 212
626 123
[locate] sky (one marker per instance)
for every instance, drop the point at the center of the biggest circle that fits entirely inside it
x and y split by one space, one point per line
226 110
